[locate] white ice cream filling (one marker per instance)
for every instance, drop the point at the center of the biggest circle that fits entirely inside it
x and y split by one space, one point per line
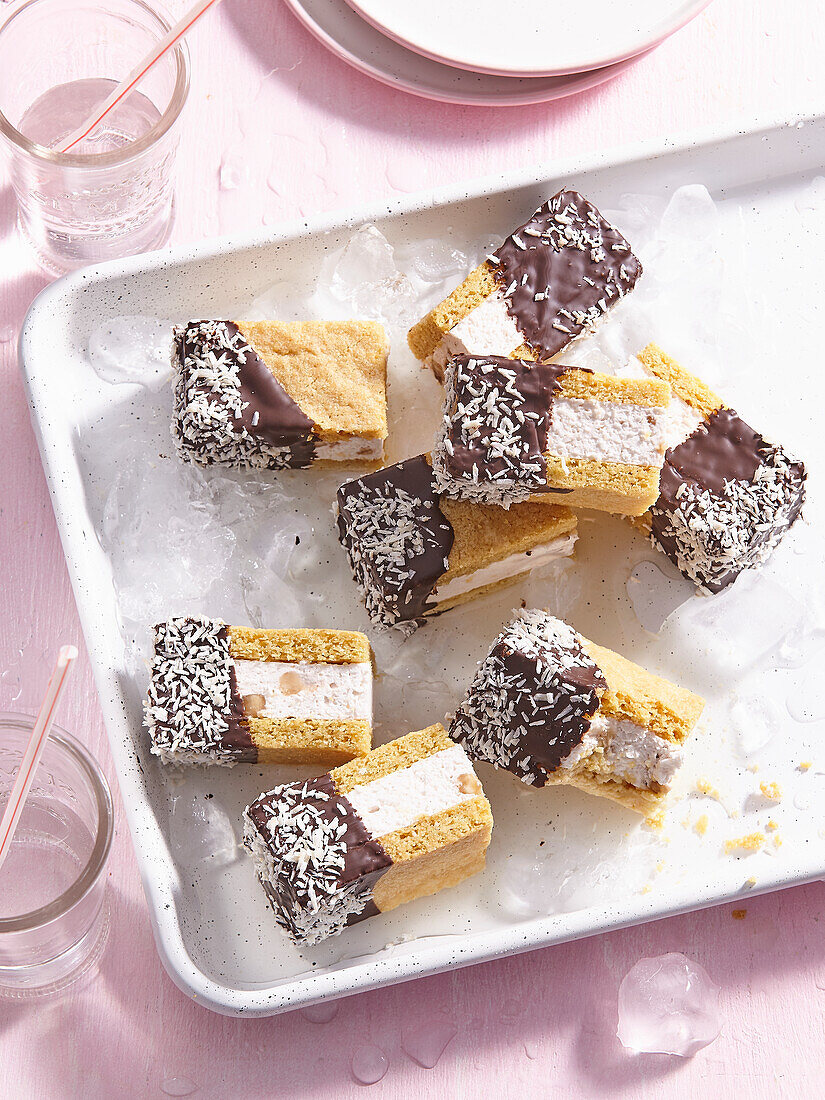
489 329
607 431
429 786
351 449
330 692
635 755
511 566
679 420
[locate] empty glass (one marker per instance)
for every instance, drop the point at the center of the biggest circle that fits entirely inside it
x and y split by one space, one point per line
112 195
53 910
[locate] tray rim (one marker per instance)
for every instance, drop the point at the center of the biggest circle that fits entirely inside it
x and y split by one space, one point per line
57 457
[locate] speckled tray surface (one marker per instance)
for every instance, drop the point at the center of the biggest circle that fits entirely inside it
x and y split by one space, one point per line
747 278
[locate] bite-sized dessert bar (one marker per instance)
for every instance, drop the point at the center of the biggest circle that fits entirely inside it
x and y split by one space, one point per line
516 430
278 395
551 280
404 822
727 494
230 694
414 552
552 707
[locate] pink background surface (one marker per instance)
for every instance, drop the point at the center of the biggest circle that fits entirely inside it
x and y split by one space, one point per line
309 135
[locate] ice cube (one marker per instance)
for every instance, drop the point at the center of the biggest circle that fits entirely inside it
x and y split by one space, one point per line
668 1005
528 886
366 280
740 625
132 349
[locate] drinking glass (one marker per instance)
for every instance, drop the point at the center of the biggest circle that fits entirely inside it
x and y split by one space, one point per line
112 195
53 907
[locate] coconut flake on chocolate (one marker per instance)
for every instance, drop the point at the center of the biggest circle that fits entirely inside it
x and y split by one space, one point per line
193 710
726 500
315 858
562 271
397 540
230 409
532 699
490 446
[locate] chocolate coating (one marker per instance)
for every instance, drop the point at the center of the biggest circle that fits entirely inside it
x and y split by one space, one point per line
397 538
499 384
237 739
281 421
365 860
726 497
576 265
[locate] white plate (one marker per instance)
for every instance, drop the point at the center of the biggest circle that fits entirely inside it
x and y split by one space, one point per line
529 37
348 36
213 928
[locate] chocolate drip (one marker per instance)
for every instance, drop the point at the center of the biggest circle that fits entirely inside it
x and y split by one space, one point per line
397 538
280 420
494 379
238 738
576 265
365 860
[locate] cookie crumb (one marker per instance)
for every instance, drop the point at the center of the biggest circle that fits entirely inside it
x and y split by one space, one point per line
739 914
771 791
701 826
804 765
750 843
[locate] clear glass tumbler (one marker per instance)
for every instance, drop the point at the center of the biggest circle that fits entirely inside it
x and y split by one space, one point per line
53 906
112 195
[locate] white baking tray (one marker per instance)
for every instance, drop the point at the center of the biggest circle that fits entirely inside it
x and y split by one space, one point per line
591 865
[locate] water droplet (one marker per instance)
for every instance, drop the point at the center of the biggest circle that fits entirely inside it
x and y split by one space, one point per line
6 334
178 1086
321 1013
531 1048
802 802
233 171
369 1064
807 705
426 1044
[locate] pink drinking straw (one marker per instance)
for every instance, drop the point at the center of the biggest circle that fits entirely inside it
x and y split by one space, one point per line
137 74
34 749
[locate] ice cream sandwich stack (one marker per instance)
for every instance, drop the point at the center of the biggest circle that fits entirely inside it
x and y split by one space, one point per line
516 430
276 395
228 694
404 822
414 552
728 496
553 279
551 707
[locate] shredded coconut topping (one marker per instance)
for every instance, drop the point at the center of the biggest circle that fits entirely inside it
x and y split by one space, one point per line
528 706
190 699
207 421
397 545
711 537
299 857
486 411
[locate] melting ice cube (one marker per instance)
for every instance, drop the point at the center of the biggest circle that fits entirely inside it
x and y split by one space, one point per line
668 1005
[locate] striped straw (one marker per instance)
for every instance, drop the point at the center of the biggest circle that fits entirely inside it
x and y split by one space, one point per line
137 74
34 749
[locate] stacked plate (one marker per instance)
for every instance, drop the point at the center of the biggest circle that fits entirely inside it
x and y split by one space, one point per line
491 51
